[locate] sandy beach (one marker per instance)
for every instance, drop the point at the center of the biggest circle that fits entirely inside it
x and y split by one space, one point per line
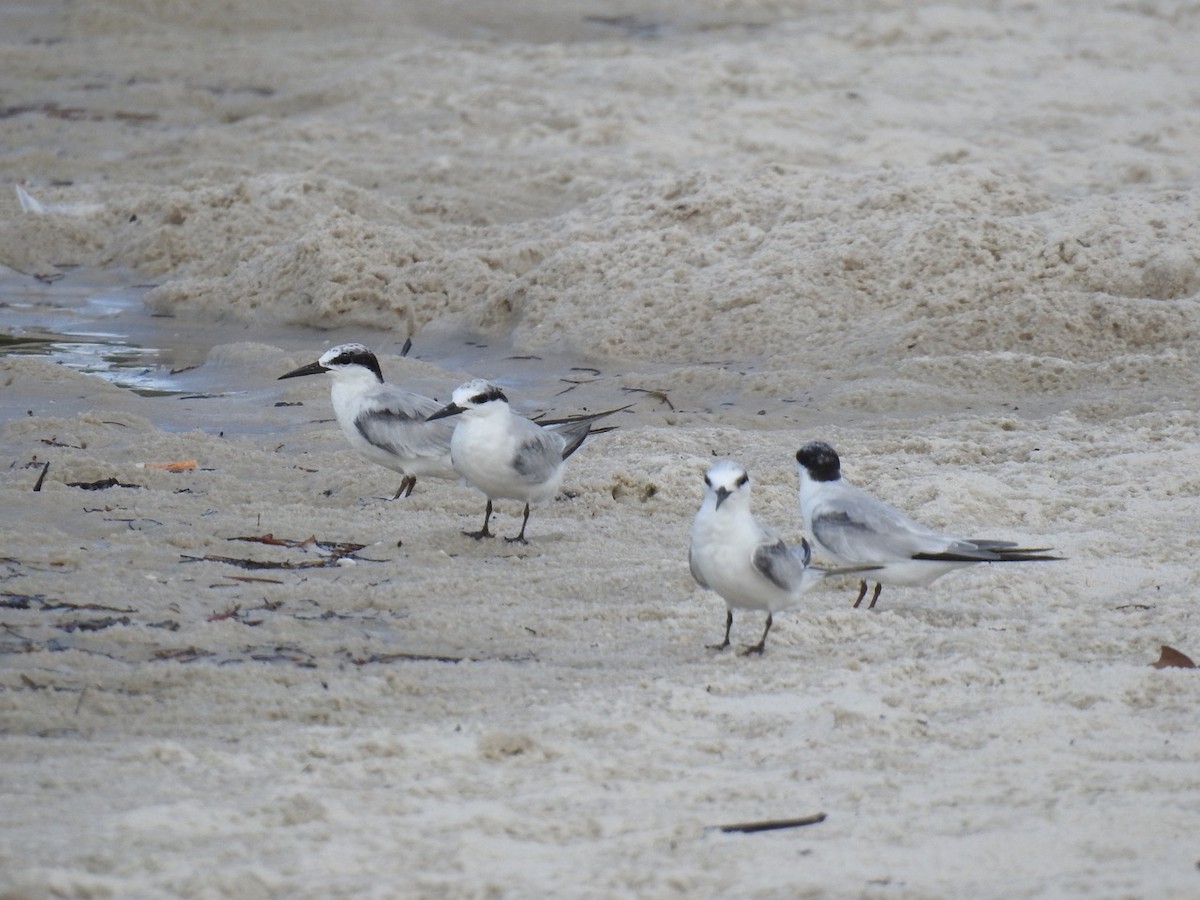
960 244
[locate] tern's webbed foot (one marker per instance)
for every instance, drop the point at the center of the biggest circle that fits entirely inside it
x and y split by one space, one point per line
484 531
757 649
520 538
728 626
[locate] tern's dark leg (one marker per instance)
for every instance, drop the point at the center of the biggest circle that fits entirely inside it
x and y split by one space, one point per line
862 592
875 596
483 532
761 645
728 625
406 487
520 538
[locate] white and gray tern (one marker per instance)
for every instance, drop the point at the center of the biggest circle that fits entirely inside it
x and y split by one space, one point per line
507 456
386 424
851 527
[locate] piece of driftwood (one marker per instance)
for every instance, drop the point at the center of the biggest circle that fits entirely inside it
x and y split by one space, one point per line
102 485
771 824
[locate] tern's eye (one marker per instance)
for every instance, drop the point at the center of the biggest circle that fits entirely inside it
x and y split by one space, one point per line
491 394
708 481
744 480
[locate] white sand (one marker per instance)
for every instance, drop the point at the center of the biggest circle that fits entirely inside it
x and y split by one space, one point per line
960 244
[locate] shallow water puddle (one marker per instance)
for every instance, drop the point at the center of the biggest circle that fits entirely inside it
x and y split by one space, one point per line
81 324
95 322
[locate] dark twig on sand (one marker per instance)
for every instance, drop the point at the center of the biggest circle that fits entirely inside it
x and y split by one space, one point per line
772 824
656 394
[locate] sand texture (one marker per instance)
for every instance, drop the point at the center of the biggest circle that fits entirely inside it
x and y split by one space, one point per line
958 242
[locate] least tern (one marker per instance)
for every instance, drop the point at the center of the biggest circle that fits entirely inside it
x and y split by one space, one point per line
748 564
850 526
384 423
507 456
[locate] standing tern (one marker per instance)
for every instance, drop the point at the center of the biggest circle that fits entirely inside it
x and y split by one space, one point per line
384 423
507 456
850 526
744 561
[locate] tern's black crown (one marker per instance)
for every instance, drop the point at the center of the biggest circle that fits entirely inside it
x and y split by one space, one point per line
492 393
820 460
361 357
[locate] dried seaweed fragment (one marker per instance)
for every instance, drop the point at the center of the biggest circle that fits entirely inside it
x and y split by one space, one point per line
1170 658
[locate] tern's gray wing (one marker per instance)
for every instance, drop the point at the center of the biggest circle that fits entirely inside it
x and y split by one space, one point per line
855 527
696 569
778 564
861 529
538 454
395 421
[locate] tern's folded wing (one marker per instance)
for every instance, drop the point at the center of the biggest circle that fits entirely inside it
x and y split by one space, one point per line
779 565
538 455
400 428
861 529
696 569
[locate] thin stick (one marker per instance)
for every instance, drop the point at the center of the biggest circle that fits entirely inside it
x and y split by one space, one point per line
42 477
656 394
772 824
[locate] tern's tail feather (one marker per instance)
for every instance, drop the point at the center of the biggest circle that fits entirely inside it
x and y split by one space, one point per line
846 570
994 553
575 429
1009 547
803 552
1030 554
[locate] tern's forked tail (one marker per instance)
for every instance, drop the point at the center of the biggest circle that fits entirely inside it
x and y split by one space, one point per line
576 429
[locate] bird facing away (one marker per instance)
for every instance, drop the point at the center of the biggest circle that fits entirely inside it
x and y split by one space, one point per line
744 561
507 456
851 527
384 423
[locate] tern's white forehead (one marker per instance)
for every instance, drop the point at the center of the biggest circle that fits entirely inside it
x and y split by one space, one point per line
343 353
476 392
726 474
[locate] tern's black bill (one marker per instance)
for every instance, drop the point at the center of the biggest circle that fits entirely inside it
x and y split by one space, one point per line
450 409
310 369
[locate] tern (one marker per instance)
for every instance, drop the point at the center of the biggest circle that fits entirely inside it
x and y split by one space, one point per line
851 527
507 456
384 423
747 563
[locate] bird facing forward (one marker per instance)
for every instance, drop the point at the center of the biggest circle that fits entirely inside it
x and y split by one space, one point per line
744 561
507 456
